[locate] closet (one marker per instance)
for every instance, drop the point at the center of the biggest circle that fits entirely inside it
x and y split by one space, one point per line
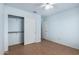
15 30
21 27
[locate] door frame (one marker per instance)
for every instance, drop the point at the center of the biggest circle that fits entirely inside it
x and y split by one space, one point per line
14 12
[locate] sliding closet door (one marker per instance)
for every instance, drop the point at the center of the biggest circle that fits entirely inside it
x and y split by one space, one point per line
29 28
38 28
32 28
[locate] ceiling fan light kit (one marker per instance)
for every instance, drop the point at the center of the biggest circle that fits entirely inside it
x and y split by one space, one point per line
47 6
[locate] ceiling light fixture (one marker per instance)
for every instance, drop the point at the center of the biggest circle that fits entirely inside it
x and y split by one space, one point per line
47 6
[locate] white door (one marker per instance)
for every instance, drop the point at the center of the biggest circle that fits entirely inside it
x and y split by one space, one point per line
38 28
29 30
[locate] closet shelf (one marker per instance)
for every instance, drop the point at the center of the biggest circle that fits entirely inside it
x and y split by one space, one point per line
17 32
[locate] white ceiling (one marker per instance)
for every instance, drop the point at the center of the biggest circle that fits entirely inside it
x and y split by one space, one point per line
36 7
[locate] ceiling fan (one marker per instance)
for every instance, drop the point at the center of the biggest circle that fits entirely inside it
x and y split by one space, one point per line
47 6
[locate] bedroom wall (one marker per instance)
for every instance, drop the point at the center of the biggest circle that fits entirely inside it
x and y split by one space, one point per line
63 27
1 29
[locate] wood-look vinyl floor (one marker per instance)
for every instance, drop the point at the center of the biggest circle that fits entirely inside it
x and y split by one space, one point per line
43 48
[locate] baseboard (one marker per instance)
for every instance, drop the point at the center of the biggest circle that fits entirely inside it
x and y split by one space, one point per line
61 44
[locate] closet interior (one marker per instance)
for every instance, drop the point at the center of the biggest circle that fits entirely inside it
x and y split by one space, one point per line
15 30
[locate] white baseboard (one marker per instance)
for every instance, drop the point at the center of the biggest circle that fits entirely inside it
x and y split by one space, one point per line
62 44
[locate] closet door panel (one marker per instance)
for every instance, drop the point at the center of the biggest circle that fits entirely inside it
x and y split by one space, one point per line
32 29
29 27
38 28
